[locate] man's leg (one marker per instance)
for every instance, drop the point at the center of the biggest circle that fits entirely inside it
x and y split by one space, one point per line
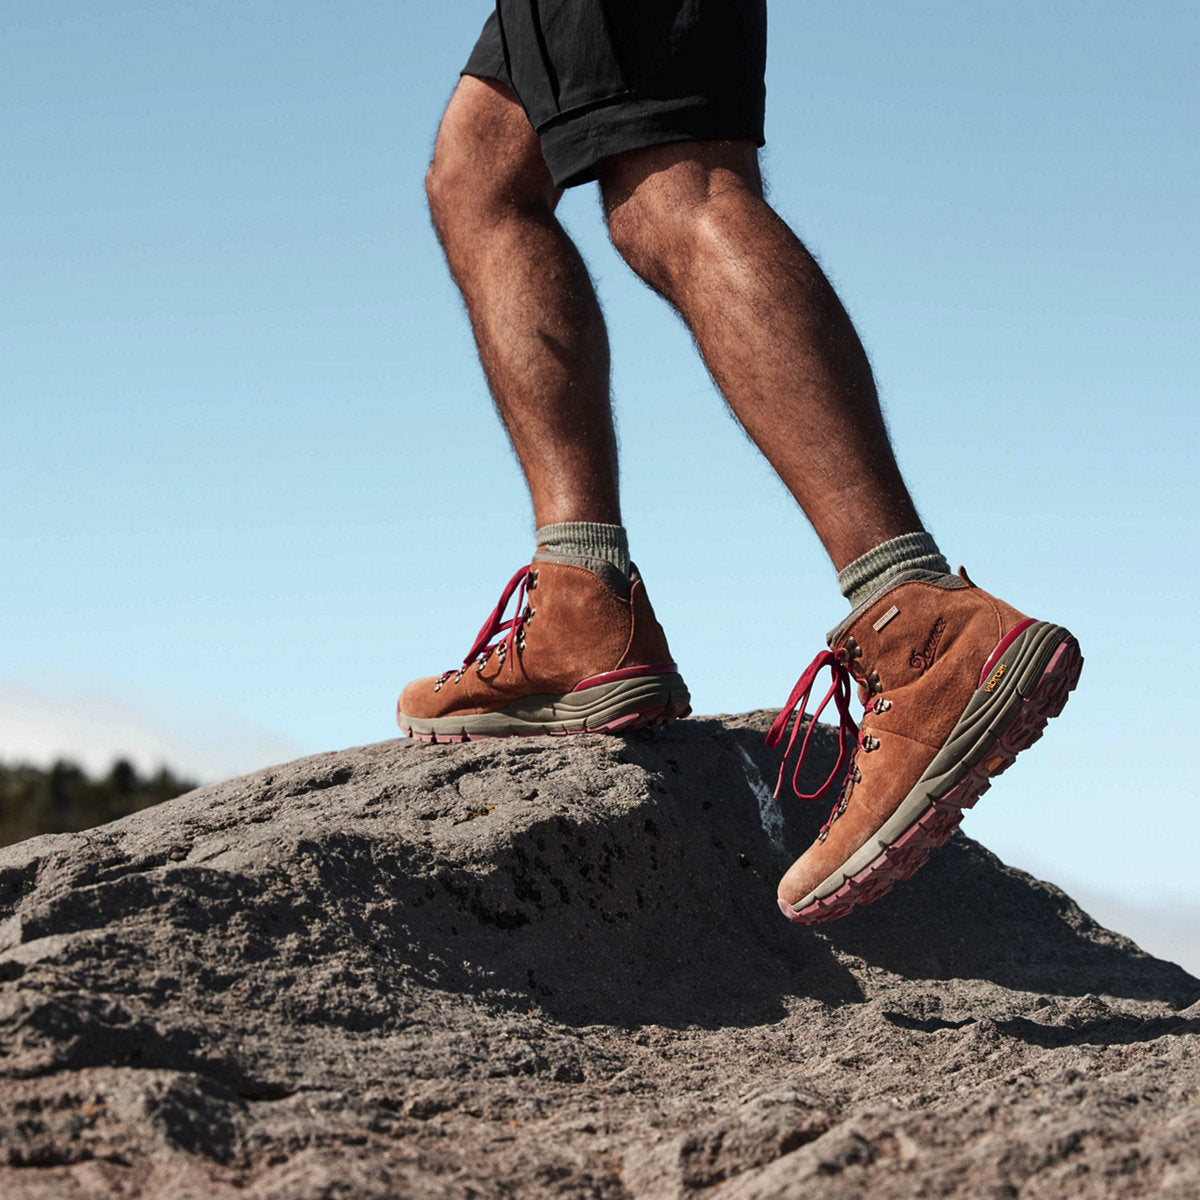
954 682
537 323
691 221
585 652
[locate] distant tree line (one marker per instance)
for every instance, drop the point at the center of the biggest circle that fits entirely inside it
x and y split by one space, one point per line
64 798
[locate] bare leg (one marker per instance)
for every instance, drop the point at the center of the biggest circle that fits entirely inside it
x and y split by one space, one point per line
691 221
536 319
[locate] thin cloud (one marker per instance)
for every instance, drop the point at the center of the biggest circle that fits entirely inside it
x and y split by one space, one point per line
94 727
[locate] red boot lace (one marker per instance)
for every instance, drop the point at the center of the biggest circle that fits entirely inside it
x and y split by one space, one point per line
506 632
849 737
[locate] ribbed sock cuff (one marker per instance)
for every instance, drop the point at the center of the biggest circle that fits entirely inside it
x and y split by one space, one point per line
589 540
909 551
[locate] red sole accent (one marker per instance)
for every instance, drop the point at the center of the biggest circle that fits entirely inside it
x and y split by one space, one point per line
1004 643
625 673
935 825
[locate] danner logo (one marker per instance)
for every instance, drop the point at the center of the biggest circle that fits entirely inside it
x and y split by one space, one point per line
922 660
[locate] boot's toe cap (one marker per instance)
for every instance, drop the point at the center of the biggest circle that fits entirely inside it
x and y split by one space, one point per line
419 699
798 883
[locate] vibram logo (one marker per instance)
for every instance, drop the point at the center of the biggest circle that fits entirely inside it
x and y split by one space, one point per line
990 686
922 660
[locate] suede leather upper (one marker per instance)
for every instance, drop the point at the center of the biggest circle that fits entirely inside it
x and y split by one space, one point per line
577 626
924 661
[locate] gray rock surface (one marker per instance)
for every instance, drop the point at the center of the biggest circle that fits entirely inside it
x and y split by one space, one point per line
554 968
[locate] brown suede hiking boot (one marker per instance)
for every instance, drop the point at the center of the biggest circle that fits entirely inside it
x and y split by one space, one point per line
954 683
584 654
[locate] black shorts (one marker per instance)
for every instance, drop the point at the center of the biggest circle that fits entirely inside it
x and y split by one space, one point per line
599 77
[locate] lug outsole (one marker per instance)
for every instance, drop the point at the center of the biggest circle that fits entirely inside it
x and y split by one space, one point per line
941 818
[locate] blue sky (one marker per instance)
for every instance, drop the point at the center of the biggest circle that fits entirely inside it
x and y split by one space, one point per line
250 481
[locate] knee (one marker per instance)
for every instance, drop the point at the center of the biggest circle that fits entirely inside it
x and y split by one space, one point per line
445 188
666 240
487 165
671 207
648 237
469 194
460 194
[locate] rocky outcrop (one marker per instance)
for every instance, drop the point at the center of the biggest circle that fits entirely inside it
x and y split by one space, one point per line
554 967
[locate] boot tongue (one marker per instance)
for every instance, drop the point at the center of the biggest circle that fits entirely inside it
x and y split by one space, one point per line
495 624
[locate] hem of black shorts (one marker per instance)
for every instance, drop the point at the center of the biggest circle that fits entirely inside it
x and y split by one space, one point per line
575 146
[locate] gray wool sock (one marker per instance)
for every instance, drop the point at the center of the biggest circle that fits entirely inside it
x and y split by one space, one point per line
909 551
588 539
